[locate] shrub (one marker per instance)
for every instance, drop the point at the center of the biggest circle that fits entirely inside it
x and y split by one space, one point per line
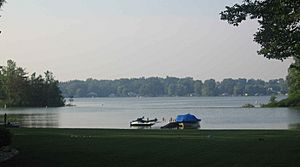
5 137
291 101
248 105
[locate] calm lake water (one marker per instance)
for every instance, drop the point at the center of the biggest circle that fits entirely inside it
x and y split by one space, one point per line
215 112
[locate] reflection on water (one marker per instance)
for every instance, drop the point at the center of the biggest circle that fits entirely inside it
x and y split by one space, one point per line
215 112
294 116
33 119
40 120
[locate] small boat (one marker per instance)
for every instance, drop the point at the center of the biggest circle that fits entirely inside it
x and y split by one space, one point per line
142 122
186 121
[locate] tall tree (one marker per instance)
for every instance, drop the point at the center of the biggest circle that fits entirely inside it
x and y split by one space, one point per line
239 88
19 90
278 32
209 88
198 88
15 84
294 79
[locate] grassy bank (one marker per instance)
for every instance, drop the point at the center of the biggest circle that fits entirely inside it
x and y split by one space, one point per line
93 147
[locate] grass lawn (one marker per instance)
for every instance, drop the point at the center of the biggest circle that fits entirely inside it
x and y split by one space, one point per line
99 147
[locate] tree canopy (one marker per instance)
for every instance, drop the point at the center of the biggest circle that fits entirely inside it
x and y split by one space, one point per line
279 20
172 86
278 35
18 89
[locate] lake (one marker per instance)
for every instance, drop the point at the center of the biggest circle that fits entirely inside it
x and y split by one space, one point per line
215 112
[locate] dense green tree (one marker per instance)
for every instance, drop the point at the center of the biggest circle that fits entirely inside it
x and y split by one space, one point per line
198 88
279 31
52 91
185 86
278 34
294 79
239 87
209 88
18 89
227 86
277 85
152 87
171 90
171 86
36 90
15 84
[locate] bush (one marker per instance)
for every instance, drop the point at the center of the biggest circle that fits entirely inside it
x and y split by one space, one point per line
291 101
5 137
248 105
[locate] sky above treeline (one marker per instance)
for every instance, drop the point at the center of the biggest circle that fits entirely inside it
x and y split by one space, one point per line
112 39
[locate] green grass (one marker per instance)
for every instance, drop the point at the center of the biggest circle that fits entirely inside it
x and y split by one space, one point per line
98 147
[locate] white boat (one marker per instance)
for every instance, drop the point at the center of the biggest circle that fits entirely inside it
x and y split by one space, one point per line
143 122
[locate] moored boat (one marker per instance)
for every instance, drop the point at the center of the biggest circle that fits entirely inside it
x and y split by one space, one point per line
186 121
142 122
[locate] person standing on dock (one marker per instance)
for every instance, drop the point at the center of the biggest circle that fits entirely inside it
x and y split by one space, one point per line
5 117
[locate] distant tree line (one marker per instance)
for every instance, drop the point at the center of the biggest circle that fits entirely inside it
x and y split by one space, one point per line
172 86
17 89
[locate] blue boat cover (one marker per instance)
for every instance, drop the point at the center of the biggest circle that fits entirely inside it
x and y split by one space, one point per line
187 118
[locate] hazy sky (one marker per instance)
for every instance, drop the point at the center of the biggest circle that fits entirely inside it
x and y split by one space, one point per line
111 39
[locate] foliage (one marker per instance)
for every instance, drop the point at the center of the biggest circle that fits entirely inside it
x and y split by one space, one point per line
279 31
291 101
248 105
293 78
273 99
278 34
272 102
5 137
171 86
18 89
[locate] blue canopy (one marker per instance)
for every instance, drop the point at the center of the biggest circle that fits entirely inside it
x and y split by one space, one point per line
187 118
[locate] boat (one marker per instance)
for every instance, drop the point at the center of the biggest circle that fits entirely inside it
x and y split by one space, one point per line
187 121
142 122
171 125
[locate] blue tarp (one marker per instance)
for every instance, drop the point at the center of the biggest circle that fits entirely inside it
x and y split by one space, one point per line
187 118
